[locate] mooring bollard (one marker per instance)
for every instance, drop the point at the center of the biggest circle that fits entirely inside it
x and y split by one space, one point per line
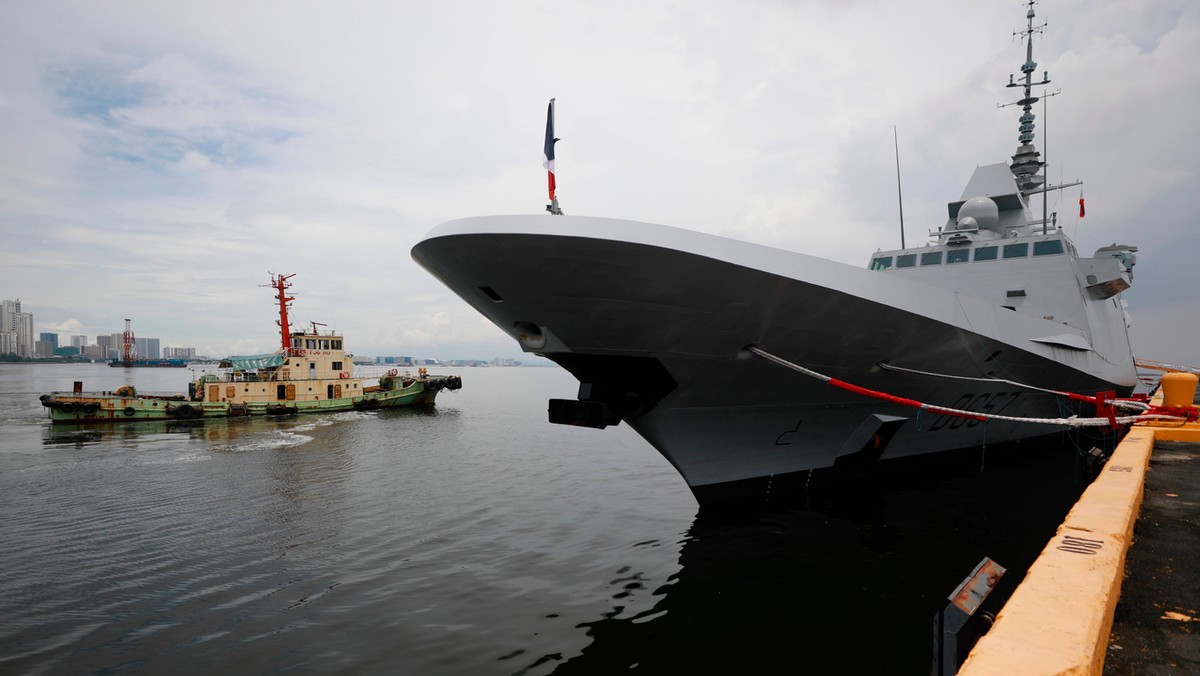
1179 389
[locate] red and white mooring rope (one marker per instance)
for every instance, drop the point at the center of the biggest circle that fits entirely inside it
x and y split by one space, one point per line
1103 404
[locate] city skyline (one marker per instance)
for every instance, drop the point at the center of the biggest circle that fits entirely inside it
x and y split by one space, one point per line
108 347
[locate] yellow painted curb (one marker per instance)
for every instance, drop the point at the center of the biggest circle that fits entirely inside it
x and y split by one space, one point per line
1189 432
1059 618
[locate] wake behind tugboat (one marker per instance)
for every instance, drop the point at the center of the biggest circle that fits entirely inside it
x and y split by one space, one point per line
310 373
998 315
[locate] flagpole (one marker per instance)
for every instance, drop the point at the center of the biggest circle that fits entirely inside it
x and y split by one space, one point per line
548 162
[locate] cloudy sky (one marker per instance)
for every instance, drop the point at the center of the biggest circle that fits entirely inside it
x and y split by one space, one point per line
158 159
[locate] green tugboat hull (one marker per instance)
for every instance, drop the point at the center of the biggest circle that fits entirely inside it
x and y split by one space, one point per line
124 405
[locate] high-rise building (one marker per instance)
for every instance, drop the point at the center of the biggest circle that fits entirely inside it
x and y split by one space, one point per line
8 342
115 341
79 342
51 338
148 348
20 323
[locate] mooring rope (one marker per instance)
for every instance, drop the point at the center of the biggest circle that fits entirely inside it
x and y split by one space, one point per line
1119 403
1073 421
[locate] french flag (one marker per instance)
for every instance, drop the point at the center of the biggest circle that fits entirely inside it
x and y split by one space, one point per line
548 150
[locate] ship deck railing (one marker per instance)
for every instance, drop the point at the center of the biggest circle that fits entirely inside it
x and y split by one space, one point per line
228 375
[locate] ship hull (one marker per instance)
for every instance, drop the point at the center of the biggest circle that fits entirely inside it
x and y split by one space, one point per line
655 321
115 407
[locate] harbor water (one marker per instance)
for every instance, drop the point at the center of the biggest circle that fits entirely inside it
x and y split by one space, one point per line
469 538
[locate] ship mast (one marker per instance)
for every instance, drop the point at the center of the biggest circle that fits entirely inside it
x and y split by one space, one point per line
1026 161
281 285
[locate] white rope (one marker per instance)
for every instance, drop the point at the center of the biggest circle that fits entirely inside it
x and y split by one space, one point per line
1165 366
1073 421
785 363
1118 403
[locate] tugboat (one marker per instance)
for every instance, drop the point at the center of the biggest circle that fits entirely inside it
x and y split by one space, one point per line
310 373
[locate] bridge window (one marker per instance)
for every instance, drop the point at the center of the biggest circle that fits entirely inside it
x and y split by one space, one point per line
881 263
985 253
1048 248
958 256
931 258
1016 250
906 261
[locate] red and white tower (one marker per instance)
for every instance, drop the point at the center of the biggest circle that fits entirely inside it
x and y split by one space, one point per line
128 346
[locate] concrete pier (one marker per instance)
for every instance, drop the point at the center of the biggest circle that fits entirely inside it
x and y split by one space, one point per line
1156 629
1060 620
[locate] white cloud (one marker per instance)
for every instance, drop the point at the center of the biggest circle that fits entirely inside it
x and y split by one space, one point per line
71 326
194 161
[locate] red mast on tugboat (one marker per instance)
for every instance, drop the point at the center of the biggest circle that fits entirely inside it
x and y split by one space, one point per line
281 285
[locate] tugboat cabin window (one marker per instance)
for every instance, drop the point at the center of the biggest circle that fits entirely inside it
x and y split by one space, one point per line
310 344
906 261
1049 248
881 263
324 344
931 258
985 253
1016 250
958 256
337 344
337 365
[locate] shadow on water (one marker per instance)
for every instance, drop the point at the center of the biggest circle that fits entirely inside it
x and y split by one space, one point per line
848 576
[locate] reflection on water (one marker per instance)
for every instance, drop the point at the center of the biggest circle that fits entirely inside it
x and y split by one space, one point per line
847 581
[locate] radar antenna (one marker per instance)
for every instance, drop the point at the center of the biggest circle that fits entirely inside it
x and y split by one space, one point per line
1026 161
